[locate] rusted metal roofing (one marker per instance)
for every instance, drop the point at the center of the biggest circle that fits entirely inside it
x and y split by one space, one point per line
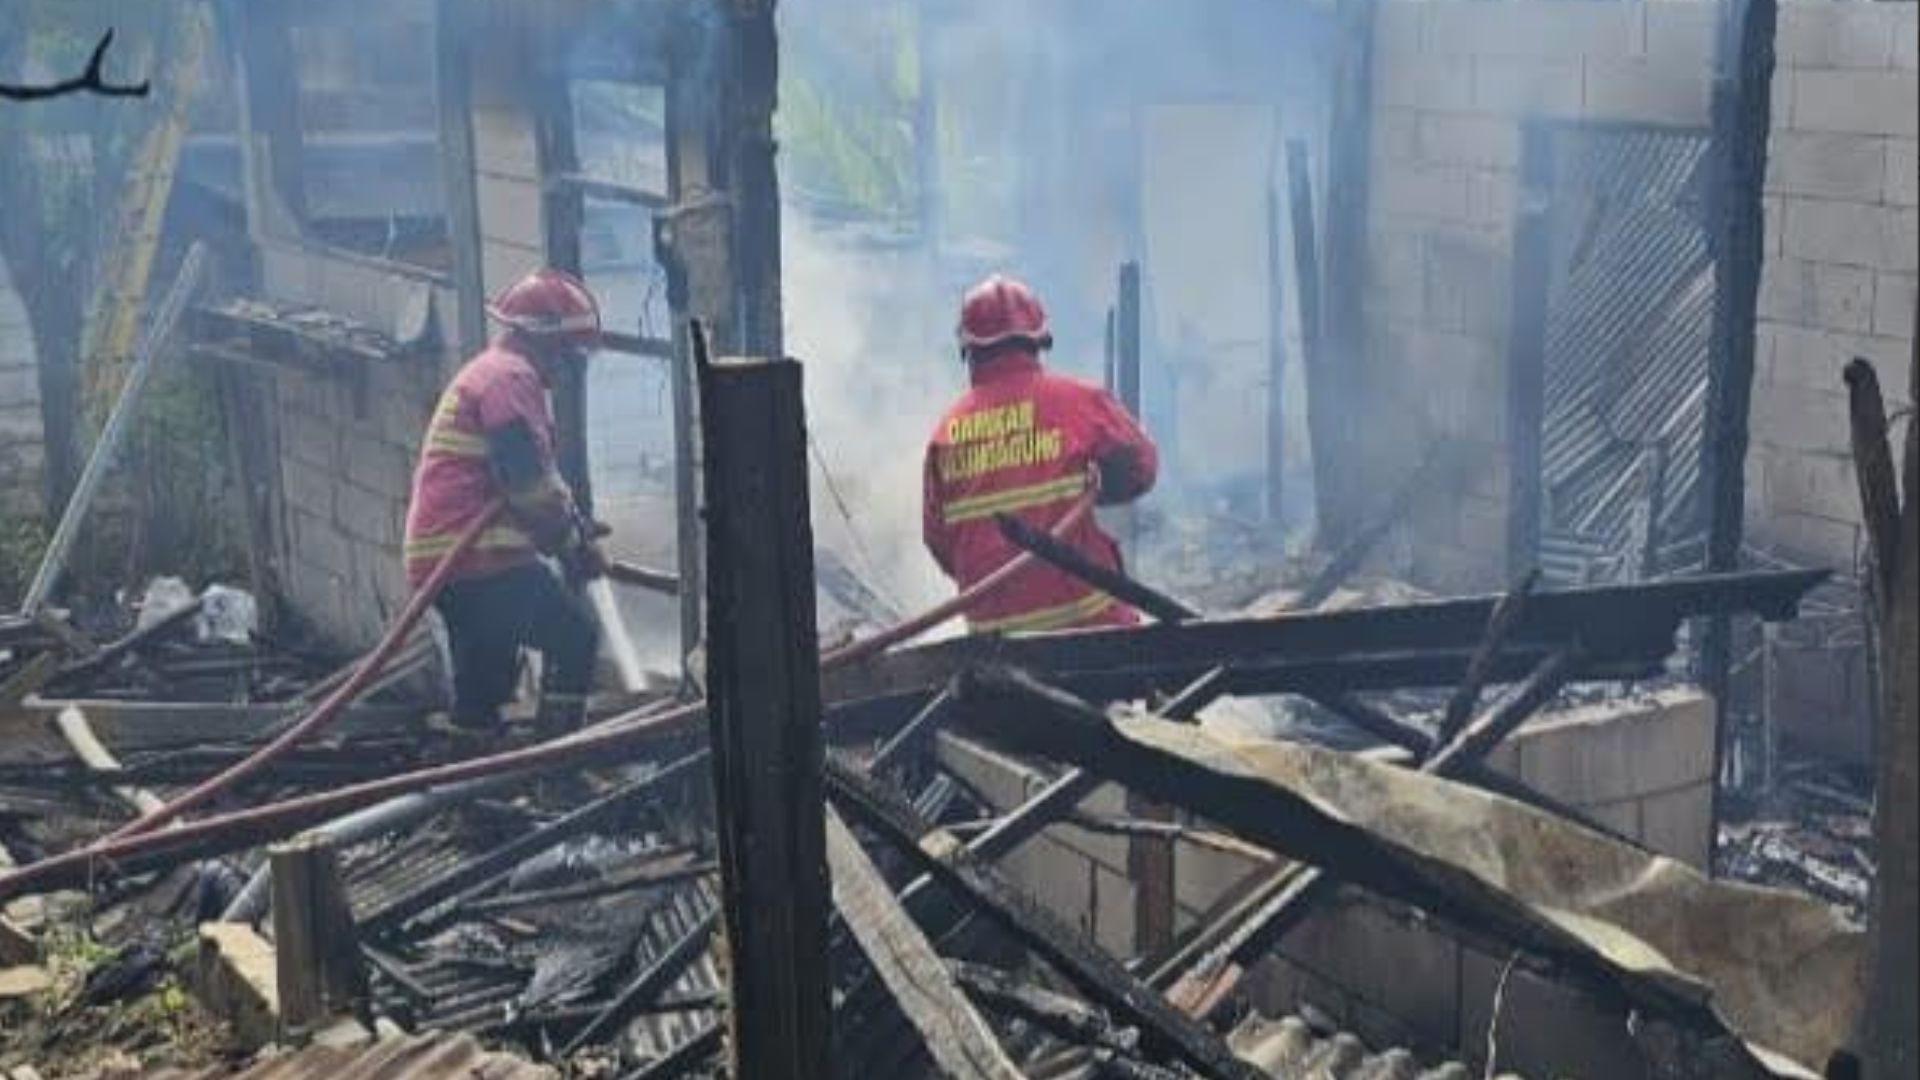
419 1057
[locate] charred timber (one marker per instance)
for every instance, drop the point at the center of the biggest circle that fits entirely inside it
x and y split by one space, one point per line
1112 582
956 1038
1626 632
1096 974
648 985
1467 695
1025 716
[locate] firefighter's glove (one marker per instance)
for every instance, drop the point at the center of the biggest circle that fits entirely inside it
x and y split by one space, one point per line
584 562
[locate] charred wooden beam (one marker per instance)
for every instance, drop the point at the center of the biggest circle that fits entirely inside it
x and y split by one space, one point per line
1626 631
648 985
1060 1015
1112 582
1888 1037
1047 805
1260 932
1467 695
1405 737
1873 469
1126 368
1110 1049
956 1038
1334 385
316 952
1097 975
764 718
1029 716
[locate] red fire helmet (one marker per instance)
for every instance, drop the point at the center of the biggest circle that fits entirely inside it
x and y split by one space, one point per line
550 303
999 310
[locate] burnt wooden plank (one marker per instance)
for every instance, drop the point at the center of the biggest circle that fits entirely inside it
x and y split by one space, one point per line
1467 695
1065 1018
1889 1039
1741 108
1098 975
1626 631
959 1041
1527 347
1112 582
764 717
1335 384
648 985
317 962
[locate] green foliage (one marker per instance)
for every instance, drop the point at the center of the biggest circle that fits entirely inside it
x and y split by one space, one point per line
22 539
849 86
165 494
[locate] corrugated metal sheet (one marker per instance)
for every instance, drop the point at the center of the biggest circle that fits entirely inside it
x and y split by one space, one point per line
1628 332
1289 1048
423 1057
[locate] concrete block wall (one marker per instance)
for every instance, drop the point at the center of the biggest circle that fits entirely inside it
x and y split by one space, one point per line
22 445
345 453
1642 765
345 474
1454 81
1841 253
506 175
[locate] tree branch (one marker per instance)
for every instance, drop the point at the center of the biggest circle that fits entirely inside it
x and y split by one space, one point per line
91 81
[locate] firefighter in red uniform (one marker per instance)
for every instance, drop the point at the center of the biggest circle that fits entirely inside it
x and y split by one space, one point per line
492 436
1027 442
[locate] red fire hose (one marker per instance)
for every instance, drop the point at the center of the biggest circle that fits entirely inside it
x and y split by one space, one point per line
343 695
275 819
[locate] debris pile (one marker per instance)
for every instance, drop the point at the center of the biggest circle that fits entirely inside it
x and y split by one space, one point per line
576 922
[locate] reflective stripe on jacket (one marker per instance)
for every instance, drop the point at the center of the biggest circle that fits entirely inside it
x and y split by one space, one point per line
1023 442
455 480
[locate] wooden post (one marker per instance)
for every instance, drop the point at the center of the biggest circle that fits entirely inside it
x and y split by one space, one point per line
764 709
1126 363
1306 283
1276 360
1527 349
563 213
316 951
1149 858
453 96
959 1041
1742 108
270 127
1339 472
1890 1036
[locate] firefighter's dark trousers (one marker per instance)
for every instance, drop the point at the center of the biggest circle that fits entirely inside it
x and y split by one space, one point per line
489 619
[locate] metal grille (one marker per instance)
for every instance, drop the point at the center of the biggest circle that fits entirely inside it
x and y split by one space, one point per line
1629 319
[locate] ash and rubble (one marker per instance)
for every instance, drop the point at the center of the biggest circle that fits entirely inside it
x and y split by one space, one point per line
549 946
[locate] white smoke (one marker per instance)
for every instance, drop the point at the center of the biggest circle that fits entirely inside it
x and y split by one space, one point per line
875 334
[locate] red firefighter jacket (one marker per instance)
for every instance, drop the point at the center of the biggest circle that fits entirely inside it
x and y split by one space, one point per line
1024 442
498 392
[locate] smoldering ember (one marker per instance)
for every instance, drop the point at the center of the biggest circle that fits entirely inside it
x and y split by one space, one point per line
1361 539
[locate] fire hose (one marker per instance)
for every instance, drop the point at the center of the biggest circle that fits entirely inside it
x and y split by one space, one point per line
589 745
323 714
